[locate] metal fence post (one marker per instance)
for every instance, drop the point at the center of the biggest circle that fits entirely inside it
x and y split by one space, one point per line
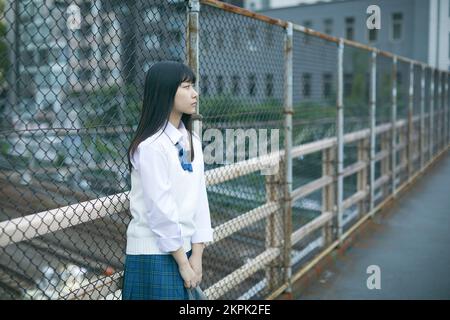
447 113
393 128
373 101
445 106
340 139
438 111
431 116
422 117
192 54
329 193
410 121
288 111
274 227
361 176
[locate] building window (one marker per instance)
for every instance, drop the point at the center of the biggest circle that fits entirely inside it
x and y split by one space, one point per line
219 84
328 26
85 74
348 82
306 87
104 28
85 30
399 79
397 22
449 44
307 24
252 38
252 85
205 39
28 58
220 39
175 36
104 74
373 35
85 8
327 85
350 28
26 85
85 53
236 38
235 85
269 85
104 50
269 35
44 57
204 85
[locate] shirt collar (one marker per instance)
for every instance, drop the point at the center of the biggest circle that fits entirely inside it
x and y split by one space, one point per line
175 135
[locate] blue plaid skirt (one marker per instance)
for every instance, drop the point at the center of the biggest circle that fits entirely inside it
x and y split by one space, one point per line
153 277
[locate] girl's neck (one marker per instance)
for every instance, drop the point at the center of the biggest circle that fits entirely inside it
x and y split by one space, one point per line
175 118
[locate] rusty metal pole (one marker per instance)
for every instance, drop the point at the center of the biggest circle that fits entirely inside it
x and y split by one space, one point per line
328 193
373 106
393 128
288 111
192 54
438 110
340 140
431 115
447 123
422 117
444 111
410 121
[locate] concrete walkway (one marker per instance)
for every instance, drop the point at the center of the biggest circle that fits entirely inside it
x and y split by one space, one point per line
410 243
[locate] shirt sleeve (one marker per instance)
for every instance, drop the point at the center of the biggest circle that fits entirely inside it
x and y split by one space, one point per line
164 217
203 231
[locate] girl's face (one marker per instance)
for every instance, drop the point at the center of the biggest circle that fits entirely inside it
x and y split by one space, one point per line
185 98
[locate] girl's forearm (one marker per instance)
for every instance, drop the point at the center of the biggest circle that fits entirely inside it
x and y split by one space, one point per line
197 249
180 257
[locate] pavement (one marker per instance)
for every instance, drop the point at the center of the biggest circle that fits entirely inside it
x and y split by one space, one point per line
410 243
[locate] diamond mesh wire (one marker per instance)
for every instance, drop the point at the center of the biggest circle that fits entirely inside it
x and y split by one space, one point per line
383 116
239 92
71 86
70 106
417 100
403 75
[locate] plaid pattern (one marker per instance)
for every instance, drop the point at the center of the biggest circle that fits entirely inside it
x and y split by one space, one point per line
153 277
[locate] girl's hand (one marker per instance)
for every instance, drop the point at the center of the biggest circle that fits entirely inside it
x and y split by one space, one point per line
191 280
190 277
196 263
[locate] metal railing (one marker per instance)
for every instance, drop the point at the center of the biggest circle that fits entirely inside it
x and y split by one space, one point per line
358 126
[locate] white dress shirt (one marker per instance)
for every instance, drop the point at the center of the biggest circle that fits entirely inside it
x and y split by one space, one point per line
169 205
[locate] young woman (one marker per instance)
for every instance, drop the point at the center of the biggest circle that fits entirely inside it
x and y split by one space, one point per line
168 202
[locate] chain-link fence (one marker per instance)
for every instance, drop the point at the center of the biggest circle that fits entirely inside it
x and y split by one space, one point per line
336 116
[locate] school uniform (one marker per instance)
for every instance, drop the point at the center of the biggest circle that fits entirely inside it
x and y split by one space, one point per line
169 208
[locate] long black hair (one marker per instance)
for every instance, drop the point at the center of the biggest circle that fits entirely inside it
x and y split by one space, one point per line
161 84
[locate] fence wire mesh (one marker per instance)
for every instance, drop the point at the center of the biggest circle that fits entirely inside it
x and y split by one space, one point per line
241 92
417 101
70 106
71 86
